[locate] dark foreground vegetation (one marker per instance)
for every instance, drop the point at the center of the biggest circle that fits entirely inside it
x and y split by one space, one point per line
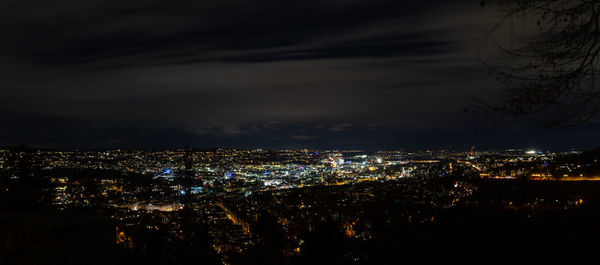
503 221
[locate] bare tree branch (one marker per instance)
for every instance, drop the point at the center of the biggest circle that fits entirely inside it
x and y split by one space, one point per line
553 71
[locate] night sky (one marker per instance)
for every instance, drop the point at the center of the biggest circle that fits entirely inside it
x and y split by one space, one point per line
366 74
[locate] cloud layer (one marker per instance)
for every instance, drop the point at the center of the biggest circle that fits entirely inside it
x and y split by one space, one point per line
330 74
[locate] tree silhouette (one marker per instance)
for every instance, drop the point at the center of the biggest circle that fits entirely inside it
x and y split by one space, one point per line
325 245
270 240
24 188
553 61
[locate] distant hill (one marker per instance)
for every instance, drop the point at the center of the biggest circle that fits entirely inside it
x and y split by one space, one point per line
586 163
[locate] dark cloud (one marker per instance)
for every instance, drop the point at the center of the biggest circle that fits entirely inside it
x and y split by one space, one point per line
246 73
71 32
48 131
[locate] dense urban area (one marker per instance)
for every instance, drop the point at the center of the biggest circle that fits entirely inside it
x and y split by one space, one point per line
231 206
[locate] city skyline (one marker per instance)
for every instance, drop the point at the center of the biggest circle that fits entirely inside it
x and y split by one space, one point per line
295 132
